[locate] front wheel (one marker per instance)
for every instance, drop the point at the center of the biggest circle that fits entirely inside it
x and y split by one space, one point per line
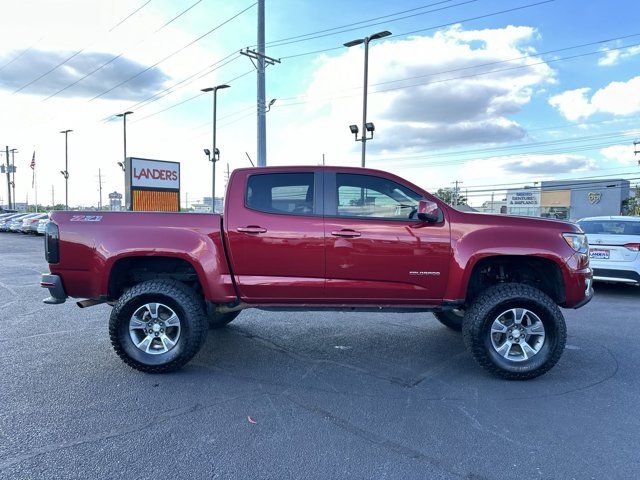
158 326
515 331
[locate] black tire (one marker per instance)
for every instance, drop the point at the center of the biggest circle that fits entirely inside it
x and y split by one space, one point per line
187 305
451 319
476 330
219 320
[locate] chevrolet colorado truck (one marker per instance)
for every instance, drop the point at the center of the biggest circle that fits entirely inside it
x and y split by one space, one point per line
318 238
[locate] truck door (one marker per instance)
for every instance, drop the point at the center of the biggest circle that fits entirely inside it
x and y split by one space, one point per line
275 234
377 250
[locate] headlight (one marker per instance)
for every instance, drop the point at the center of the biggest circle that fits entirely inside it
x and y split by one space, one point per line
577 241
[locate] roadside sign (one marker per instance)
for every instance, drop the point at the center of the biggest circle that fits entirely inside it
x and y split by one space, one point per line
152 185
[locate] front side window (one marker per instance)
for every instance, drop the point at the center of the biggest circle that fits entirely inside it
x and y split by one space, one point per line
289 193
374 197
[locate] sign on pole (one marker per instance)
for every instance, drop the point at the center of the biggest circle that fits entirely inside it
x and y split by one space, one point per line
152 185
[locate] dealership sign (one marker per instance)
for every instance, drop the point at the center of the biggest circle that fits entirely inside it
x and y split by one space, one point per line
152 185
155 174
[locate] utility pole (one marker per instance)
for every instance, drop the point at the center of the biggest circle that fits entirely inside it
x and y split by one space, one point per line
8 178
100 188
323 159
454 200
226 180
636 146
53 198
261 62
65 172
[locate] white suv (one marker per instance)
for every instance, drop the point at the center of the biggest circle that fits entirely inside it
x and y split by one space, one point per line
614 248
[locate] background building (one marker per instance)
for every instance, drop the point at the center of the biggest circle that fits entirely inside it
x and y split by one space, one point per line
577 199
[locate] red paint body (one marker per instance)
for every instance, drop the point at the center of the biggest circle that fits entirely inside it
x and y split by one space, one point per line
280 259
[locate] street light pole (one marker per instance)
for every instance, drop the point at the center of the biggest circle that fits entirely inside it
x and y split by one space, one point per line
13 174
353 43
215 153
124 126
65 172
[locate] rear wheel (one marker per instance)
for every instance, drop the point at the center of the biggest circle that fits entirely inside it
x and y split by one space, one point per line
157 326
451 318
219 320
515 331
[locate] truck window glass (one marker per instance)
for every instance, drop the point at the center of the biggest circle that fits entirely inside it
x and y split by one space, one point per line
374 197
289 193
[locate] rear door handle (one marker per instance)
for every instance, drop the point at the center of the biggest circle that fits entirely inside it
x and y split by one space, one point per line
347 233
251 229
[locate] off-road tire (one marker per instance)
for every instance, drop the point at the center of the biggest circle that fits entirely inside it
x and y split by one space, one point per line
450 319
488 306
185 303
219 320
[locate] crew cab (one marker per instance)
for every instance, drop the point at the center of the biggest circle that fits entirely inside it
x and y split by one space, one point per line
316 238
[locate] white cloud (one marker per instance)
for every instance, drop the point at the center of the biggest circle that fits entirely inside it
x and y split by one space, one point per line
620 153
618 98
613 57
431 109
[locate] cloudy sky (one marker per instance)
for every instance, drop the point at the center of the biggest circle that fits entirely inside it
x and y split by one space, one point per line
463 90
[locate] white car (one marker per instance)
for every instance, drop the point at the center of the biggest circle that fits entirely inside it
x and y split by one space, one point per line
614 248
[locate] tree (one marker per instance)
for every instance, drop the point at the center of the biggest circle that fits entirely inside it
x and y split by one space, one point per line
448 196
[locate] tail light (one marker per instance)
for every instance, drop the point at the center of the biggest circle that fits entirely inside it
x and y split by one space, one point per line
634 247
51 243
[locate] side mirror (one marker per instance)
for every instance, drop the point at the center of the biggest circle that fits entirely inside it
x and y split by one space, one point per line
428 211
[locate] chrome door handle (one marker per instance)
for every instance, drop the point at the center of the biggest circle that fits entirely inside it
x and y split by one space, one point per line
251 229
346 233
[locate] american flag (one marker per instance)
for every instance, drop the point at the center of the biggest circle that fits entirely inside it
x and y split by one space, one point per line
33 167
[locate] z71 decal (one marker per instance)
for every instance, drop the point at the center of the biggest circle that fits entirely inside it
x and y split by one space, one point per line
86 218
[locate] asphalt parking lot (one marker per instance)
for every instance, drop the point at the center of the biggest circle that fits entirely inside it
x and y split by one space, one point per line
308 395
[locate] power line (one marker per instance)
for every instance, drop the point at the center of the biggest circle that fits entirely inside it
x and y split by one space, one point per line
188 99
78 52
321 35
174 53
444 80
26 50
356 23
114 58
448 24
129 16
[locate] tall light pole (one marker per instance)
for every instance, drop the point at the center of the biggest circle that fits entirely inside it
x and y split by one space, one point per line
13 174
65 172
124 131
215 153
366 127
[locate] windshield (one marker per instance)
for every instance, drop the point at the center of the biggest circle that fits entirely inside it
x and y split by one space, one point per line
610 227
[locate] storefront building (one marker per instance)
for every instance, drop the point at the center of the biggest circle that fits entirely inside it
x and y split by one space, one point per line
570 199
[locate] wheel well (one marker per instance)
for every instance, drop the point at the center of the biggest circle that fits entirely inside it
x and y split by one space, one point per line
541 273
130 271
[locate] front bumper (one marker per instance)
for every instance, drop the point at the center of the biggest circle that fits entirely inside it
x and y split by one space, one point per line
53 283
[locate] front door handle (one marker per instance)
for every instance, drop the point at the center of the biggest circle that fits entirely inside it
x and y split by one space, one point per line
346 233
251 229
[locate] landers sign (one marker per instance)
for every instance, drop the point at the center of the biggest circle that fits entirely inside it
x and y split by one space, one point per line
152 185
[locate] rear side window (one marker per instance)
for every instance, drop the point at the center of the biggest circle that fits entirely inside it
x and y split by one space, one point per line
288 193
610 227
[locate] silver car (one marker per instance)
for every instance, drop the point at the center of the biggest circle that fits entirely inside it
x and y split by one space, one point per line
30 223
6 223
614 248
42 226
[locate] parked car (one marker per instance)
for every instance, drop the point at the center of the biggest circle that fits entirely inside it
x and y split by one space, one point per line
30 223
42 225
614 248
6 222
309 238
15 225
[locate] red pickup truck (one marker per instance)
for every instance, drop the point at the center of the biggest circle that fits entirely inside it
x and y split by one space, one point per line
315 238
